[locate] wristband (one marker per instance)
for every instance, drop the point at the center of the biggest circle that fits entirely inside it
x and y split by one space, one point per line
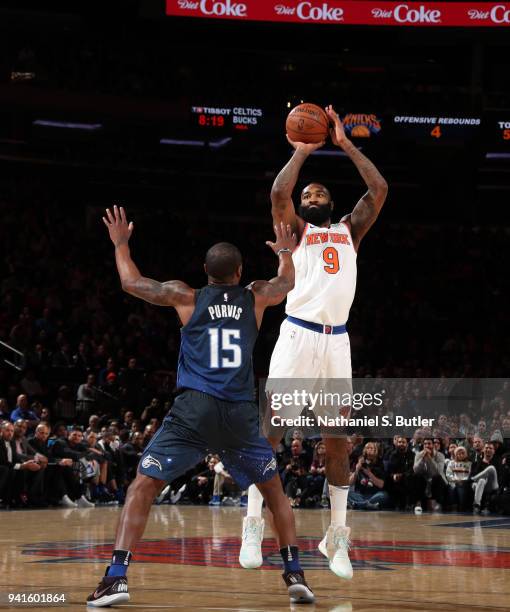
284 251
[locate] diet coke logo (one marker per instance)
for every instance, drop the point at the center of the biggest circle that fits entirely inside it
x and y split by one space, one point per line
403 13
307 12
498 14
216 7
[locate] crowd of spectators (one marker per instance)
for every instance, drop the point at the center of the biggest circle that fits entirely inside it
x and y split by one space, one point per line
92 373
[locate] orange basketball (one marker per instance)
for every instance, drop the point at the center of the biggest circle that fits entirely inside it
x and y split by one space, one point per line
307 123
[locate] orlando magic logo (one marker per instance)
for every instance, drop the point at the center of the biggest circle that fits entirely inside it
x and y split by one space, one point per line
149 460
270 466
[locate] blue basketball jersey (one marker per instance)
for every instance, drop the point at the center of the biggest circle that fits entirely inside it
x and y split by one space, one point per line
217 344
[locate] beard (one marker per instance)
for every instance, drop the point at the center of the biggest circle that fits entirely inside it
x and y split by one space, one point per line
316 215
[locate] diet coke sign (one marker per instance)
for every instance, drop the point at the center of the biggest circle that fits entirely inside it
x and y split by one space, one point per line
307 12
404 13
215 8
498 14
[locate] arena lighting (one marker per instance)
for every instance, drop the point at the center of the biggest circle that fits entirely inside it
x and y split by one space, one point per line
327 153
497 155
186 143
70 126
216 144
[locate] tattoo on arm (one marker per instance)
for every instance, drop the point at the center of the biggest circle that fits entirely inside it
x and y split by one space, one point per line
287 178
368 208
281 192
170 293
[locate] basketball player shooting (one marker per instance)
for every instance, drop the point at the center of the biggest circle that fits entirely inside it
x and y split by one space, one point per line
214 411
313 341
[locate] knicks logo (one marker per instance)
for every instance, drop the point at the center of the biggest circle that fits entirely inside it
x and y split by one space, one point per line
149 460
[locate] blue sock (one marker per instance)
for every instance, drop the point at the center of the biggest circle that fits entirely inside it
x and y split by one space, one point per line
120 563
290 556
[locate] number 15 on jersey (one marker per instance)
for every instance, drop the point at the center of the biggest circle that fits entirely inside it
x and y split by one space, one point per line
224 351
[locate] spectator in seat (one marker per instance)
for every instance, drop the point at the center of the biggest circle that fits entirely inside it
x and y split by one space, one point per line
136 425
316 477
153 410
23 447
438 445
498 443
127 421
110 393
22 411
109 445
94 421
43 412
367 481
401 473
108 369
13 469
130 452
484 475
54 490
295 472
430 478
501 501
73 448
224 487
457 475
477 449
450 452
86 398
201 486
99 477
148 434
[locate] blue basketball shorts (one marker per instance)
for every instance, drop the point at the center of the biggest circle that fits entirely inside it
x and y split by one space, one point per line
198 424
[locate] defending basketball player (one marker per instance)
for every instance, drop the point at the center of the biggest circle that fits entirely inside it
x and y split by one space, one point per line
313 341
214 411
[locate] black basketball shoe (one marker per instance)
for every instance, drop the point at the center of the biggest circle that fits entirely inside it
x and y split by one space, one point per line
110 591
299 591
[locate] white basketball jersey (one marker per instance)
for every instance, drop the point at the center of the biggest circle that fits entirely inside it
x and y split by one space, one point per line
325 262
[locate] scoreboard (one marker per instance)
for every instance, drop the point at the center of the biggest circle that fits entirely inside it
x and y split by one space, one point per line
363 126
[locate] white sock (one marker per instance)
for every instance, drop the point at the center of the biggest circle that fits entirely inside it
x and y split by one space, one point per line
255 501
338 500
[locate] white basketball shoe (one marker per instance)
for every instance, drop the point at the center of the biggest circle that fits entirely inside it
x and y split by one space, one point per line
250 555
335 546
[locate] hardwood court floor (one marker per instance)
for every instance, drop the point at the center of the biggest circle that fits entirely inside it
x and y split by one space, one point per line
188 561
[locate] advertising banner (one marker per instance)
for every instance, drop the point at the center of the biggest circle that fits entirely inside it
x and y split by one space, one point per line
366 12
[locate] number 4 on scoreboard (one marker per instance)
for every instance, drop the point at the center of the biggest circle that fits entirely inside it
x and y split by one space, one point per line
436 132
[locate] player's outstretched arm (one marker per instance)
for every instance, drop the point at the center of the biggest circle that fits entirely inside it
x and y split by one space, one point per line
368 208
171 293
274 291
282 207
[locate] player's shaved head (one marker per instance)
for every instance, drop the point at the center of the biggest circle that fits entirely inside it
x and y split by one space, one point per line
316 186
222 261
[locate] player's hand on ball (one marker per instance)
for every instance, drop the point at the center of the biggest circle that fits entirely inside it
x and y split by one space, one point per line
304 147
337 132
285 238
118 228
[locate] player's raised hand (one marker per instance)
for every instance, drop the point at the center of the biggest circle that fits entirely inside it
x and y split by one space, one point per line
337 132
285 238
306 148
119 229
